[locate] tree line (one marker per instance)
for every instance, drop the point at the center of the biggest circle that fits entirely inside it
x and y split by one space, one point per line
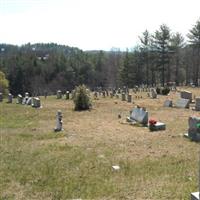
161 57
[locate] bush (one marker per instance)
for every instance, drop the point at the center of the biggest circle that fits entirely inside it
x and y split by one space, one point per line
158 90
165 91
81 98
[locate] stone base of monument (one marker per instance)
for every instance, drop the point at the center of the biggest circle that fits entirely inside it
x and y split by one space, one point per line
195 137
195 196
159 126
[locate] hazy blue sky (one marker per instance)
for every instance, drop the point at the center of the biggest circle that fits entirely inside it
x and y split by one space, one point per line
92 24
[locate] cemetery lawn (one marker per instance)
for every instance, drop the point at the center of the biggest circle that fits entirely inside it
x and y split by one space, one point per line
36 163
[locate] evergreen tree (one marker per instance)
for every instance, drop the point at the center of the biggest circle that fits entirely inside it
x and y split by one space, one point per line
161 47
194 40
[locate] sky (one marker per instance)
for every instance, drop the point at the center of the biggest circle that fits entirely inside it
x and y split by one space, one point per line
92 24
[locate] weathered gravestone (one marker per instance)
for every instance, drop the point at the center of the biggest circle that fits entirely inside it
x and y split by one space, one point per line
123 97
1 97
10 98
186 95
58 121
27 94
29 101
197 104
19 99
139 115
36 102
59 94
153 93
129 98
67 95
104 94
168 103
182 103
194 129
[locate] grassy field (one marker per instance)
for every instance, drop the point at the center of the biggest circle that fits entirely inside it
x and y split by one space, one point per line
36 163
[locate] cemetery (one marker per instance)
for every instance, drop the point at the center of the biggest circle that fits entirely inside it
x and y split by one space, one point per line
91 154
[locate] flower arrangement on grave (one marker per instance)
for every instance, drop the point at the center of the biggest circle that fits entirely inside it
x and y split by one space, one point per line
198 127
152 123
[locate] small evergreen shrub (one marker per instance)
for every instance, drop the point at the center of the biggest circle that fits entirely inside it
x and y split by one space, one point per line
158 90
165 91
81 98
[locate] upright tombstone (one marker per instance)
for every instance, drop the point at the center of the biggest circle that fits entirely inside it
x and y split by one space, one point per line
10 98
119 91
104 94
139 115
26 94
1 97
59 94
168 103
197 104
129 98
29 101
186 95
182 103
194 128
19 99
123 96
95 94
153 93
67 95
36 102
59 122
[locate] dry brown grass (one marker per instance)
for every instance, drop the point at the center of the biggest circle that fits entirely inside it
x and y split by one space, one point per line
155 165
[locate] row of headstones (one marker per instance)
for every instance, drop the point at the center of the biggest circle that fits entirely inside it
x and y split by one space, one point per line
33 101
59 95
184 101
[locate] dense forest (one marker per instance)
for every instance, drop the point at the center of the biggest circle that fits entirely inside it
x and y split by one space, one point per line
162 57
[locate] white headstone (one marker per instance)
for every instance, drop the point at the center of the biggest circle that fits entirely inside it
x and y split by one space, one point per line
29 101
59 94
67 95
153 93
10 98
19 99
36 102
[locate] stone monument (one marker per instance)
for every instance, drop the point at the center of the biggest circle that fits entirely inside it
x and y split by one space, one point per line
58 121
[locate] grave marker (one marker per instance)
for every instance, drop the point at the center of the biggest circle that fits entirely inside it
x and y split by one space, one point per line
1 97
10 98
168 103
139 115
182 103
58 121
